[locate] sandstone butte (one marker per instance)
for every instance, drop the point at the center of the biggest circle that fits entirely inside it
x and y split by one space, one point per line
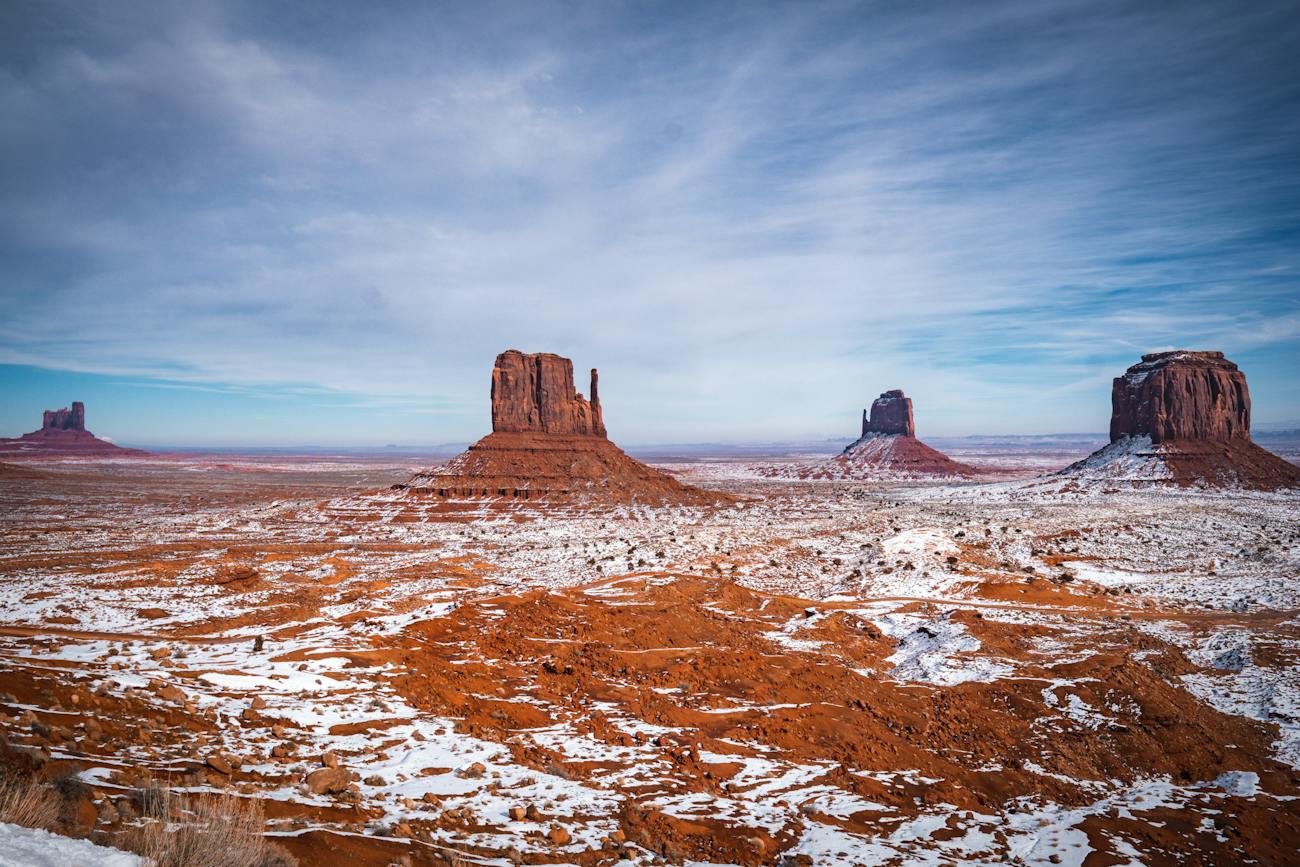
1184 417
889 447
62 432
548 444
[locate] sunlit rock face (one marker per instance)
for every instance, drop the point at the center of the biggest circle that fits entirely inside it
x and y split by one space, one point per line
1181 395
1183 418
534 393
548 444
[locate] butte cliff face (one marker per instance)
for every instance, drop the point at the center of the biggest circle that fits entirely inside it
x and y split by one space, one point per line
891 413
1181 396
1183 418
548 444
65 419
62 431
535 394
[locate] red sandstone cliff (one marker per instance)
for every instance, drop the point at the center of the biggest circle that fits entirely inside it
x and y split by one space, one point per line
535 393
548 444
1181 396
1183 418
891 413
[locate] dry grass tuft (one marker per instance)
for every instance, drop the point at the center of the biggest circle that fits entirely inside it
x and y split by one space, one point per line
213 831
29 801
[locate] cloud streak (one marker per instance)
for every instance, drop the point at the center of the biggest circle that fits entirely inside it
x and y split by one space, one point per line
751 218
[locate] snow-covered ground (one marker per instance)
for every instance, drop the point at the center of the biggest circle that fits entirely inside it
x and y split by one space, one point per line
32 847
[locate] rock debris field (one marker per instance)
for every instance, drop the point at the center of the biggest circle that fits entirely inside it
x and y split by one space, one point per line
1033 670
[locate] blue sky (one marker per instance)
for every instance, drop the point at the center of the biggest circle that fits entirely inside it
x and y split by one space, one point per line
282 223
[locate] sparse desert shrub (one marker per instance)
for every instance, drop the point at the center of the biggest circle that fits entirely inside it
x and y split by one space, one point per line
212 831
28 801
153 801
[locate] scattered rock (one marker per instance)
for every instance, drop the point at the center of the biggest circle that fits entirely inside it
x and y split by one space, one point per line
328 781
472 771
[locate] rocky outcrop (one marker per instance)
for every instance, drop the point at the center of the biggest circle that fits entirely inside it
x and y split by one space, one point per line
1181 395
63 432
535 394
1183 418
891 413
65 419
887 450
548 445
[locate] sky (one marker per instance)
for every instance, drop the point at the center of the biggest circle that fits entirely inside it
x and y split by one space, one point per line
278 223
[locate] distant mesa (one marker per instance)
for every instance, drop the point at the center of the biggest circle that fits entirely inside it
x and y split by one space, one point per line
1183 418
63 432
548 444
888 449
65 419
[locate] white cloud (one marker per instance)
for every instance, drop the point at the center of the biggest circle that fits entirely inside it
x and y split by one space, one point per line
751 222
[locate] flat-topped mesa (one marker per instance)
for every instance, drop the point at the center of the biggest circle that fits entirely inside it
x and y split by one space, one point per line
65 419
891 413
534 393
1183 418
1181 395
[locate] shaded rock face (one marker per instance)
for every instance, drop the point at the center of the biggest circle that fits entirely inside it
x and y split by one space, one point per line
1181 395
62 431
535 394
891 413
65 419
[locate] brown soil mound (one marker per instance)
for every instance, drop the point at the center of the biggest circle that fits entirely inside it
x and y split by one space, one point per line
551 467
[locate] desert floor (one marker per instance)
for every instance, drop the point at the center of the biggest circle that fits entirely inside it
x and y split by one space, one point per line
1024 670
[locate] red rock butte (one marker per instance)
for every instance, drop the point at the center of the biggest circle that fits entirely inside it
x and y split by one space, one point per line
1184 417
62 432
891 413
548 444
887 449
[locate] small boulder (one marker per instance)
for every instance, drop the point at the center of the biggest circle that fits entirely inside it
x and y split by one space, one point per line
328 781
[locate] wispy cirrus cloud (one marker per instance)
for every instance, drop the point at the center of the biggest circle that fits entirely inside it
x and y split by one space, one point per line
752 218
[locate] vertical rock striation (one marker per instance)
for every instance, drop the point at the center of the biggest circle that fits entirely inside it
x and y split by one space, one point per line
1181 395
535 394
65 419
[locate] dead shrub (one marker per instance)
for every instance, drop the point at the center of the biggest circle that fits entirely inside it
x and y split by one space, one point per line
212 831
28 801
